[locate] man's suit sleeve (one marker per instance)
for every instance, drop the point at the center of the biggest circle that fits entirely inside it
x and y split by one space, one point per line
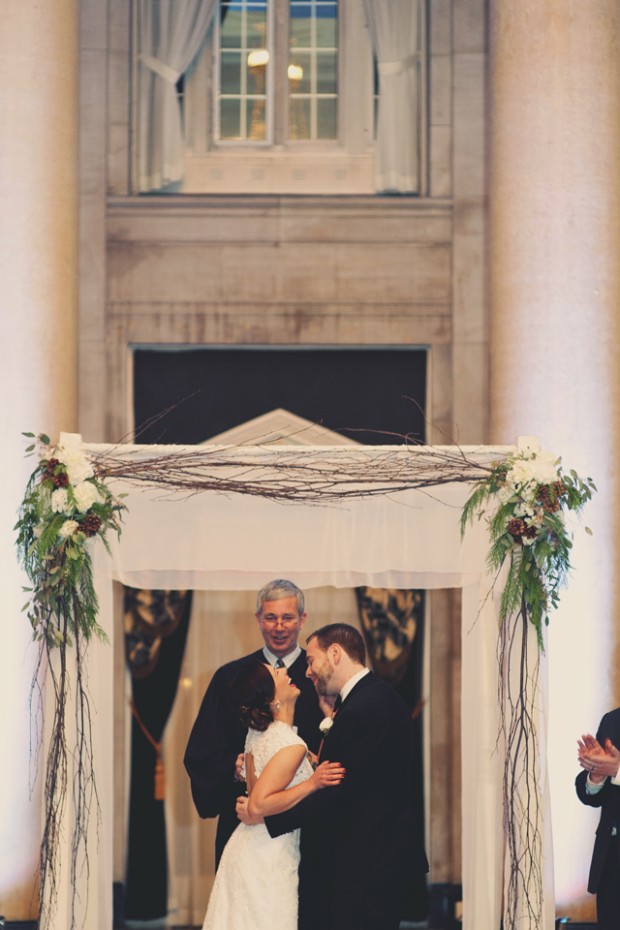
359 740
593 800
212 751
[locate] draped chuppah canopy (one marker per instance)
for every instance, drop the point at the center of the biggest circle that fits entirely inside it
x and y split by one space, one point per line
406 539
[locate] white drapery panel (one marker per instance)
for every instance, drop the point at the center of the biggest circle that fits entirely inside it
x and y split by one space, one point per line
394 33
170 34
411 539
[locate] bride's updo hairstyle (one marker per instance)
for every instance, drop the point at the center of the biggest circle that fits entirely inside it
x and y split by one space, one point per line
250 694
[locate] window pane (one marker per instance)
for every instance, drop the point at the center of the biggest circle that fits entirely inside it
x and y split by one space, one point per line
326 119
230 79
300 73
257 27
326 73
230 31
230 119
256 120
327 25
301 25
299 120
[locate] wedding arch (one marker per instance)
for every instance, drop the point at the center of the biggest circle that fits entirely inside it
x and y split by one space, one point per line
230 518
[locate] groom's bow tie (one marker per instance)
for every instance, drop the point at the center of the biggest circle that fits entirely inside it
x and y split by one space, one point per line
337 703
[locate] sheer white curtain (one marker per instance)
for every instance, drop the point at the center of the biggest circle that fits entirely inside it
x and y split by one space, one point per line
394 28
170 34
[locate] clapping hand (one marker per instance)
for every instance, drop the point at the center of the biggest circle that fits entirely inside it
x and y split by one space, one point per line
600 762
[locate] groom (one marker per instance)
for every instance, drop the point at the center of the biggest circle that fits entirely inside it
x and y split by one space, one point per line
360 846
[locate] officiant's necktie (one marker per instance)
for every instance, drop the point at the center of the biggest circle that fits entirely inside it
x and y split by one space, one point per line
280 664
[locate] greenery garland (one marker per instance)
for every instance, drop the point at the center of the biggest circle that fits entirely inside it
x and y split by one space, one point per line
527 529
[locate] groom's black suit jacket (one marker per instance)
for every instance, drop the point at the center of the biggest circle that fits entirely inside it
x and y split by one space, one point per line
608 799
360 845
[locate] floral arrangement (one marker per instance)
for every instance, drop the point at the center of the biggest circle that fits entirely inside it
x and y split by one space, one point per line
64 506
528 527
530 492
325 725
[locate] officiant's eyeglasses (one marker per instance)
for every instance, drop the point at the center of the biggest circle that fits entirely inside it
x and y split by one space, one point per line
285 620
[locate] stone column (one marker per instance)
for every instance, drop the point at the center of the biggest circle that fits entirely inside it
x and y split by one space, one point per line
38 351
554 261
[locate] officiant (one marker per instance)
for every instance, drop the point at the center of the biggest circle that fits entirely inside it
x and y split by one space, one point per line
214 750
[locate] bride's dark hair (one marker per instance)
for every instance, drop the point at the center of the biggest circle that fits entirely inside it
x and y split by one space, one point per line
250 694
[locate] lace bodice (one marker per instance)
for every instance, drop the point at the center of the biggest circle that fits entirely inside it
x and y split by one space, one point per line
265 745
242 898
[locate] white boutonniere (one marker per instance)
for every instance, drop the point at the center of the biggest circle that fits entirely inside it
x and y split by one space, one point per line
325 725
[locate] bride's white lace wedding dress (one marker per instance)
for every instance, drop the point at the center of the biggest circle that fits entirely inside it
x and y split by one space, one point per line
256 883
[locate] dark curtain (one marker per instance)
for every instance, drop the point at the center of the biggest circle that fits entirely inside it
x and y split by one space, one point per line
156 625
393 625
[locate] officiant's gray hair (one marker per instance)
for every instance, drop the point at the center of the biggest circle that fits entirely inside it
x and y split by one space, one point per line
344 635
276 590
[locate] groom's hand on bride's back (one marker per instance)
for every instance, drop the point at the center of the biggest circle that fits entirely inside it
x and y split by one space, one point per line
243 813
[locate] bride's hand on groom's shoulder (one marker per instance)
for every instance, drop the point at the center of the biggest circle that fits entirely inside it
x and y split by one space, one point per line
243 813
328 774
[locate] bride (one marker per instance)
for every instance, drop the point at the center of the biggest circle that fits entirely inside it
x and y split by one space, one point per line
256 883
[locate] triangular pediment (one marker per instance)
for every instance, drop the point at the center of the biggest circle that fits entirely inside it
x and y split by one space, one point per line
280 427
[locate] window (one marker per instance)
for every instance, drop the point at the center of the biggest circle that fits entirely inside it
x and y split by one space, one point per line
281 99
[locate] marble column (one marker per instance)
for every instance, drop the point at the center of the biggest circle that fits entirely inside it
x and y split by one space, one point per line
38 352
554 275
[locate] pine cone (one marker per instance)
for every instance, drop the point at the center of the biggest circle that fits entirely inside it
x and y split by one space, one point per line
516 527
90 525
60 480
550 496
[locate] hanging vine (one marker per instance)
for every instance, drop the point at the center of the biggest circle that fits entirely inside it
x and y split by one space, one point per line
526 494
65 506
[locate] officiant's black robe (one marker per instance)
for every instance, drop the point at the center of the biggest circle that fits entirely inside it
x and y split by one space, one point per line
218 737
360 843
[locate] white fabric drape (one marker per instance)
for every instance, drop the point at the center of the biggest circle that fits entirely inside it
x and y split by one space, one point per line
394 27
170 34
218 542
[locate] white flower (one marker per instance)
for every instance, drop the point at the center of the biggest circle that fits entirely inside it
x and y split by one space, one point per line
533 468
86 494
77 465
60 501
68 528
505 493
325 725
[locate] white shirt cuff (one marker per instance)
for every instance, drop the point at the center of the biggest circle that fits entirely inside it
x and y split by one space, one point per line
594 787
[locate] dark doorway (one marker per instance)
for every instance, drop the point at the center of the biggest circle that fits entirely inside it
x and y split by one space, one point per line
375 395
